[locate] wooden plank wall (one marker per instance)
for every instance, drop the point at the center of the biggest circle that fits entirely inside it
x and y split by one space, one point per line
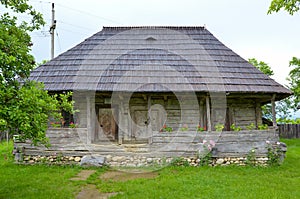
289 131
180 110
243 112
228 143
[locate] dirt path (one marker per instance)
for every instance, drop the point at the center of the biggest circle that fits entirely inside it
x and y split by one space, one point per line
124 176
90 191
83 175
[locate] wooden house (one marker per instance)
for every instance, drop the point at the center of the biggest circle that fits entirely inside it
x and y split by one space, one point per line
134 84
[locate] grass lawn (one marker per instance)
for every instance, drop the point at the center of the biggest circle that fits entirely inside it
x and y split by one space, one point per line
17 181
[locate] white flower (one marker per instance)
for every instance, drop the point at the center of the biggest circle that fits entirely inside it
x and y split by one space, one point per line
267 141
252 150
204 141
209 148
278 143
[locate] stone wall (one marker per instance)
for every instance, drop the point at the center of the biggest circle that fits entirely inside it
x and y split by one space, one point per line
140 161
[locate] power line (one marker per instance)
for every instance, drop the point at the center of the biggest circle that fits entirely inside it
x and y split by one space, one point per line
87 13
58 41
74 25
67 30
80 11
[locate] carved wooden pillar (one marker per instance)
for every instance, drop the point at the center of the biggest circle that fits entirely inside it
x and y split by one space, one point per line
88 120
149 121
258 114
274 111
208 114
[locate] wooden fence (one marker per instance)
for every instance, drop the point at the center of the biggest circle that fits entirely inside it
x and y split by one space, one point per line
289 130
3 136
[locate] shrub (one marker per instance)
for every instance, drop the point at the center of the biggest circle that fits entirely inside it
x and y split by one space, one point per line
219 127
235 128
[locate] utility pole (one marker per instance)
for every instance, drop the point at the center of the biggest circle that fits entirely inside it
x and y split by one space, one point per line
52 32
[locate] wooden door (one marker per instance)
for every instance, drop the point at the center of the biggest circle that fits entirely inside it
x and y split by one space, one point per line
140 120
107 123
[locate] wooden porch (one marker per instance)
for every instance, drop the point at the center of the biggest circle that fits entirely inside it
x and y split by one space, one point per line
74 142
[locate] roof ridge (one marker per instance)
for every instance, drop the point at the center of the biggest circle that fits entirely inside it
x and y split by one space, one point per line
154 27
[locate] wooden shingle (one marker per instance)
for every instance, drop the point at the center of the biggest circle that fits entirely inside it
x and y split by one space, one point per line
176 58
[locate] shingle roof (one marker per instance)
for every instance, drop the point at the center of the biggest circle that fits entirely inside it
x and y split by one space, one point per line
153 58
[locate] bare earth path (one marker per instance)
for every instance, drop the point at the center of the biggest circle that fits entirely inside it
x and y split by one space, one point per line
90 191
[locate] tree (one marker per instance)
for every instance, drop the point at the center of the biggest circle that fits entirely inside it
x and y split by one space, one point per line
24 105
291 6
283 107
294 80
262 66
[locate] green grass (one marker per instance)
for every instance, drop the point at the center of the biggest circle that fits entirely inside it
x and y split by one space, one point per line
38 181
17 181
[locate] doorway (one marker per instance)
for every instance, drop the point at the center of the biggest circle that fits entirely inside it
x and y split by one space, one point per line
108 129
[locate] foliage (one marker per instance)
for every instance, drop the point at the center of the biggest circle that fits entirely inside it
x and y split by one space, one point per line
263 127
250 126
73 125
262 66
274 153
55 124
205 155
200 129
219 127
235 128
24 105
184 128
26 111
166 128
179 161
291 6
294 80
284 107
288 121
251 158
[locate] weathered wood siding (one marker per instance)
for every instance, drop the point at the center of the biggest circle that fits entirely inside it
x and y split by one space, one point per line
228 144
135 122
289 130
243 112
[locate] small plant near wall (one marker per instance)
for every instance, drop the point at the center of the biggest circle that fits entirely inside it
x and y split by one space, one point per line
179 161
200 129
73 125
250 127
251 158
166 128
205 156
235 128
219 127
263 127
274 153
55 124
184 128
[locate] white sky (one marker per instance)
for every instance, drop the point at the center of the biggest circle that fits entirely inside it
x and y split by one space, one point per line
243 26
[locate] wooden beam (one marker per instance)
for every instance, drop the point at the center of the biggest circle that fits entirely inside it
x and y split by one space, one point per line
208 114
149 129
88 120
273 111
258 114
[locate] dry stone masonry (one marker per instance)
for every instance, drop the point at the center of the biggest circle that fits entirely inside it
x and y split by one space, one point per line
127 161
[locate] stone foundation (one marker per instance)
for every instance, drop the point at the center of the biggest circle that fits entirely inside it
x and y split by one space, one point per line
136 161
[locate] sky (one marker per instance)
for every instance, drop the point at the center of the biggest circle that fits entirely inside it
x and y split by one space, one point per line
244 26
